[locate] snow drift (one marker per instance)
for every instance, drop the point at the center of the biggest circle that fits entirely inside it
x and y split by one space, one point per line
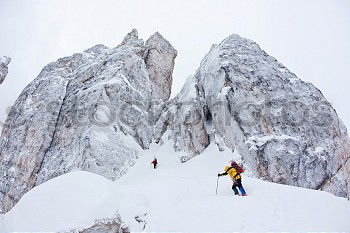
175 197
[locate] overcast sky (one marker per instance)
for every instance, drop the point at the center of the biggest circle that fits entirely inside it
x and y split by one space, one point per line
311 38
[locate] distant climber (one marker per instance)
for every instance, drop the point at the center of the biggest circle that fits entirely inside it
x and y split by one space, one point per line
155 163
234 170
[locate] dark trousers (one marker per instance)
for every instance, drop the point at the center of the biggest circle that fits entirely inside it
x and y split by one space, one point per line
238 183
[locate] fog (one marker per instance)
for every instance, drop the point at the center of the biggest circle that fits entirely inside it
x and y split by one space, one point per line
311 38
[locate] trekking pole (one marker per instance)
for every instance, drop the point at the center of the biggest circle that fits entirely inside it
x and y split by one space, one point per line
217 185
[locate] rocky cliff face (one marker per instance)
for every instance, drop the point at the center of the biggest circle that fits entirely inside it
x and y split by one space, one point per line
159 58
4 62
97 110
83 112
284 128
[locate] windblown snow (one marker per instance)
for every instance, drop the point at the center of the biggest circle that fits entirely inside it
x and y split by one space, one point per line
176 197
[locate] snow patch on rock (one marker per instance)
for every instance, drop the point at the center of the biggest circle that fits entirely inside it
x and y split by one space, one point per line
4 62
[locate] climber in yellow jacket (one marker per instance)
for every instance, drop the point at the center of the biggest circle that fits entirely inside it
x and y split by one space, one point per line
234 170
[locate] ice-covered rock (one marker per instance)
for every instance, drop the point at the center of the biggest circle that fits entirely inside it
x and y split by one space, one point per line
106 225
4 62
182 119
89 111
284 128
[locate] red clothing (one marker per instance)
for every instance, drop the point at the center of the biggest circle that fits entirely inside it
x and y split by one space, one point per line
155 162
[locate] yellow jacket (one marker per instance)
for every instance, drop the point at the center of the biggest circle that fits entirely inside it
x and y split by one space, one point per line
232 172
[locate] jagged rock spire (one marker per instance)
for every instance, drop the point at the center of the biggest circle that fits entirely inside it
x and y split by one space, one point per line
160 60
4 62
132 41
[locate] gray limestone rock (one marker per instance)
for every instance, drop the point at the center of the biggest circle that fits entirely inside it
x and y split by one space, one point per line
284 128
159 57
89 111
4 62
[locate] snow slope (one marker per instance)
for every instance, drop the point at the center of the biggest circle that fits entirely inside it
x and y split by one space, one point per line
176 197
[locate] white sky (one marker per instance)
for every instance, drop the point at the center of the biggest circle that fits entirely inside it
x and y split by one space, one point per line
311 38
